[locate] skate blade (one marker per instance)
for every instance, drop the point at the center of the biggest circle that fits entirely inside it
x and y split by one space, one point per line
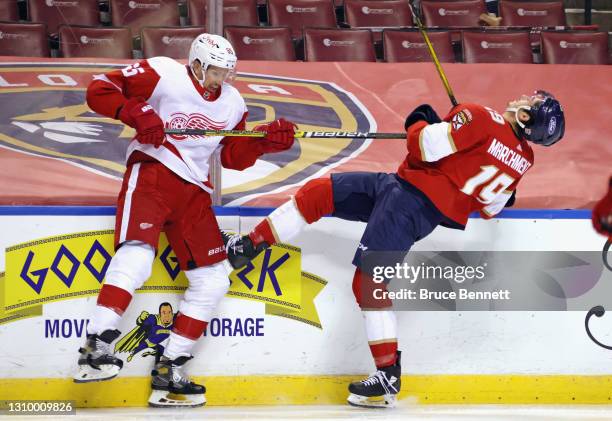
163 399
86 373
384 401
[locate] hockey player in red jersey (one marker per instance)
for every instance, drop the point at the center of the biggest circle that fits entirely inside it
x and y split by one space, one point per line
166 187
602 214
472 160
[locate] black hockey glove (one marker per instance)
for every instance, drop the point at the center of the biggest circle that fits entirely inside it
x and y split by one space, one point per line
423 112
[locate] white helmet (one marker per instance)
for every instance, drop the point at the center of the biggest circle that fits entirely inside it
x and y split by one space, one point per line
212 50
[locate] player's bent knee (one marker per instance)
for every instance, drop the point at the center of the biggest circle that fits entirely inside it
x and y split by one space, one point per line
131 266
315 199
369 294
207 286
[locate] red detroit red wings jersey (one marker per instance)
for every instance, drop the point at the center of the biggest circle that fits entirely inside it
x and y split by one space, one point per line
470 161
169 88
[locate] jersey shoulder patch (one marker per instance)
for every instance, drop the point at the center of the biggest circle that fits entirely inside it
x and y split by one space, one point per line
461 119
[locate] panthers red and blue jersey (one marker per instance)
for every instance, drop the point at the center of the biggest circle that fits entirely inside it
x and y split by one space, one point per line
471 161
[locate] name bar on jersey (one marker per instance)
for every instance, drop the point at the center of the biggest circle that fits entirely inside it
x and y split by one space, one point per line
509 157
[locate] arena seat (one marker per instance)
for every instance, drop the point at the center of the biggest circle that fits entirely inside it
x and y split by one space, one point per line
298 14
137 14
55 13
373 13
452 13
502 47
9 11
86 41
338 45
235 12
171 42
24 39
523 13
409 46
574 47
261 43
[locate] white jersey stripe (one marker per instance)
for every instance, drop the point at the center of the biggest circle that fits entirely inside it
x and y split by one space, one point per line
127 205
436 142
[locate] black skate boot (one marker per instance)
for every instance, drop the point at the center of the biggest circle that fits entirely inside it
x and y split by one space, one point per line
171 388
380 389
97 361
240 249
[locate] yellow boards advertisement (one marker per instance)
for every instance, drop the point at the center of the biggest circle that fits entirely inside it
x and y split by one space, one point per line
72 266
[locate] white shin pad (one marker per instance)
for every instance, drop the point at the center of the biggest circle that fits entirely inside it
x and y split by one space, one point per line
128 270
287 221
380 325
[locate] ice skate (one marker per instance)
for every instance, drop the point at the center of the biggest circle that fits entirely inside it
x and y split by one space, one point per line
97 361
240 249
379 390
172 388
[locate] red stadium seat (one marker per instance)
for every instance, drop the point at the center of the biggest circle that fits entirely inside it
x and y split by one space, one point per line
55 13
409 46
235 12
170 42
372 13
504 47
452 13
8 10
265 43
136 14
297 14
85 41
338 45
523 13
24 39
575 47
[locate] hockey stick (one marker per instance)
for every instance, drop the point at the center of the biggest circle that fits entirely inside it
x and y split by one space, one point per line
432 52
298 134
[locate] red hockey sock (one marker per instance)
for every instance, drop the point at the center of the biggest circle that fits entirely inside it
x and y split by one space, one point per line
315 199
263 232
363 290
189 327
115 298
385 354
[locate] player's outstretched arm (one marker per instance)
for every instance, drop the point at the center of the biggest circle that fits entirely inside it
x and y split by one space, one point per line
239 153
122 94
109 92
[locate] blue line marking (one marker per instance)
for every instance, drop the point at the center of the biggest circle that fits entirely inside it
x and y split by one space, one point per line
251 211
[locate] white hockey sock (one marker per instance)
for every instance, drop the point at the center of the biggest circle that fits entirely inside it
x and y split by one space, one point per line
286 221
178 346
380 325
103 318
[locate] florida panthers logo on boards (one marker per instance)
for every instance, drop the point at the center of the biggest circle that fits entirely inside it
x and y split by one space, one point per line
46 114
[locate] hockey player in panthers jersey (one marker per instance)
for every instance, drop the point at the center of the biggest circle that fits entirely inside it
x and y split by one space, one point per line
166 187
472 160
602 214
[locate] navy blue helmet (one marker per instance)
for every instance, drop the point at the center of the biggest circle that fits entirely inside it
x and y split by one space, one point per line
547 123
